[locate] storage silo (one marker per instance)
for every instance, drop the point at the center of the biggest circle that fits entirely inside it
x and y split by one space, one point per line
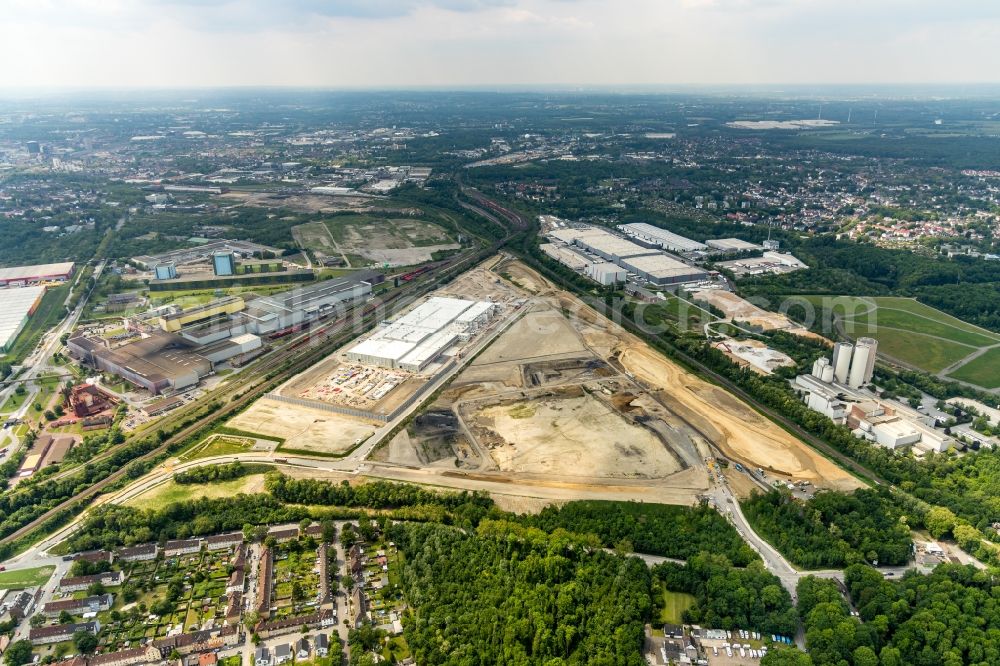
827 373
842 360
863 361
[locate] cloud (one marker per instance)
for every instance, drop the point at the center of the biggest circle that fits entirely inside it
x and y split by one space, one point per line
378 43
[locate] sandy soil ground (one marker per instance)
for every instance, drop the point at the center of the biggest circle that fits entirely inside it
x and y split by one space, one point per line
737 430
303 427
576 436
526 278
740 309
522 505
740 483
541 332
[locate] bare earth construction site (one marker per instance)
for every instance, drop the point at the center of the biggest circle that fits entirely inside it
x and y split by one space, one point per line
530 387
564 395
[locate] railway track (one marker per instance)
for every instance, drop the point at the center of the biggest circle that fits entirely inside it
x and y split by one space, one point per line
298 353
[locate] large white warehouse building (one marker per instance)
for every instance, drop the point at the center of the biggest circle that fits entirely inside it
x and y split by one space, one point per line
421 335
668 240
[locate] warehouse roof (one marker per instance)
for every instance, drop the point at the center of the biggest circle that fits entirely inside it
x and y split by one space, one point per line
737 244
662 266
662 236
608 243
15 304
14 273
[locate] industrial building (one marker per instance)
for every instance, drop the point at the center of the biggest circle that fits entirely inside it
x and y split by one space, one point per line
733 245
224 263
171 323
17 304
414 340
19 276
892 426
166 271
662 269
161 362
863 361
606 273
661 238
303 305
648 263
565 256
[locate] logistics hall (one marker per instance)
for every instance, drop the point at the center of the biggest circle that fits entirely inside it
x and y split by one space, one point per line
420 336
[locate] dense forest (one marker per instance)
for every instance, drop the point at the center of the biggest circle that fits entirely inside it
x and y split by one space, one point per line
729 597
511 595
833 529
216 473
949 617
655 529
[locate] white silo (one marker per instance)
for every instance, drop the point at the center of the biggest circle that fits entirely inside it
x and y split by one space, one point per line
863 362
842 360
827 373
819 365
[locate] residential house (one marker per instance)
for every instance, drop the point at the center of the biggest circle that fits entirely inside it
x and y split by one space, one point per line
302 648
322 645
60 632
264 580
92 604
81 583
143 553
283 534
181 547
282 654
262 656
224 541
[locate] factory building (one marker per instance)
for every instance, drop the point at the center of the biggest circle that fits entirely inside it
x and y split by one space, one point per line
606 273
301 306
17 304
661 238
414 340
161 362
224 263
167 271
19 276
171 323
889 425
662 269
733 245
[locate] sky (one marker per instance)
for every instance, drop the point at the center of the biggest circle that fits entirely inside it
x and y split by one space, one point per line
461 43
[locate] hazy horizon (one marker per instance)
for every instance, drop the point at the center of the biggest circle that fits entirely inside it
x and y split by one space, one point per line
485 44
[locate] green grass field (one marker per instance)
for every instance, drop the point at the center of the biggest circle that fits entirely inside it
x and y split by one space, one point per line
983 371
14 402
217 445
674 605
21 578
915 334
171 492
